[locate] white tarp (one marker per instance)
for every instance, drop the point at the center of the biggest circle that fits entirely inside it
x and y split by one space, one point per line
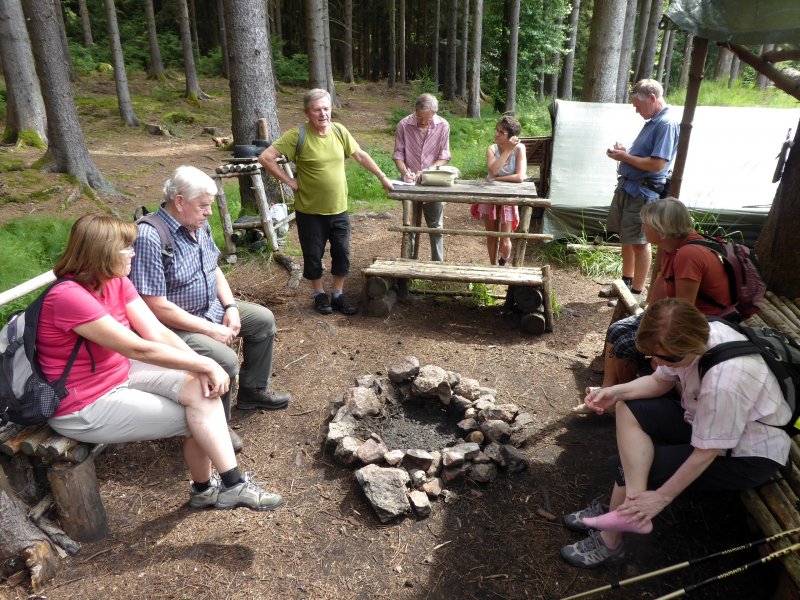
728 175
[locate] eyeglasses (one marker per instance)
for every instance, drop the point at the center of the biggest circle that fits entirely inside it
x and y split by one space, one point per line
129 251
500 132
669 359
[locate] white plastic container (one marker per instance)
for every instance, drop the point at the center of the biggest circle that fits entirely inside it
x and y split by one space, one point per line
278 212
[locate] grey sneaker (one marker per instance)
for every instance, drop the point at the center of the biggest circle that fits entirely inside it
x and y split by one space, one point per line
249 495
592 552
206 498
574 521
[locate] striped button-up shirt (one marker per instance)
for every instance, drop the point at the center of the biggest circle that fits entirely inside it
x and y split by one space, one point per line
190 281
417 150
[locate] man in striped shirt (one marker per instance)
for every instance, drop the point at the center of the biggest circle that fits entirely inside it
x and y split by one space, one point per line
422 141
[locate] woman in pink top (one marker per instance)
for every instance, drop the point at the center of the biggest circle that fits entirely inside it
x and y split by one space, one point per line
133 378
506 161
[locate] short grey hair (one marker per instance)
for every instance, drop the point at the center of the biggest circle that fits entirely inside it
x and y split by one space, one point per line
426 102
644 87
668 217
315 94
189 182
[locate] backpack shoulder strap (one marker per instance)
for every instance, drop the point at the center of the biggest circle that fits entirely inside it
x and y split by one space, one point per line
338 132
164 236
723 352
726 265
301 137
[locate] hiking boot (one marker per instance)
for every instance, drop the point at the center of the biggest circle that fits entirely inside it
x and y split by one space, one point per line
236 441
609 293
261 398
322 305
248 495
592 552
206 498
574 521
340 303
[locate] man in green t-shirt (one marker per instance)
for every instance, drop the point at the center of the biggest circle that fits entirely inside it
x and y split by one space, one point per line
319 149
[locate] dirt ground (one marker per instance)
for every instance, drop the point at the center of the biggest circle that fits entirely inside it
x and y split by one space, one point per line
486 542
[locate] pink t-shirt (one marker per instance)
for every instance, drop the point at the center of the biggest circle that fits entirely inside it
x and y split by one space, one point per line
68 305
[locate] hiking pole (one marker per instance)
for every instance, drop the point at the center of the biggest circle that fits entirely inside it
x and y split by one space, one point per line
689 563
736 571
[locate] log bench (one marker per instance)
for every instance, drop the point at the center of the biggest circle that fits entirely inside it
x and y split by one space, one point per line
773 506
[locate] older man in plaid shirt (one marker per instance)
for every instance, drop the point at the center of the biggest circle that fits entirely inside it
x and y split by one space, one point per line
192 296
422 140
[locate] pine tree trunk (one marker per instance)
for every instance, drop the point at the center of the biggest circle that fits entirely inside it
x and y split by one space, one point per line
463 56
474 102
452 34
315 19
668 62
392 44
641 33
723 67
662 55
602 65
193 91
156 70
193 29
401 21
761 81
326 31
348 41
736 69
62 36
67 152
625 54
223 40
27 119
645 70
513 49
683 79
277 14
86 24
435 44
120 76
569 57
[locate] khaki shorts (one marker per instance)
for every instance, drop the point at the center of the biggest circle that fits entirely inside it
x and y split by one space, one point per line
145 407
624 217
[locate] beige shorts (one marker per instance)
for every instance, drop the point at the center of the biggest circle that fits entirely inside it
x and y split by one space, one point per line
145 407
625 218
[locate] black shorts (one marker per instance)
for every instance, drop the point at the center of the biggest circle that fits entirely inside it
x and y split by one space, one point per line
314 232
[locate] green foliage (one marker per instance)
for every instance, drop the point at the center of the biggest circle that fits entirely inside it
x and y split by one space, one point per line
210 64
717 93
179 117
291 71
29 137
363 186
595 262
3 101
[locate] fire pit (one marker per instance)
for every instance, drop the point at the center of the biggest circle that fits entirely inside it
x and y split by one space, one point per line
420 429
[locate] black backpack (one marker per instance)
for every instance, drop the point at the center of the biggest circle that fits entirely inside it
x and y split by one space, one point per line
26 396
781 353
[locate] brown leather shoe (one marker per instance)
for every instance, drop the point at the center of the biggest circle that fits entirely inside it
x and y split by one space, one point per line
261 399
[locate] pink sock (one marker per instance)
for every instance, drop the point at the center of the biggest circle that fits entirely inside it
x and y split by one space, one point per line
613 521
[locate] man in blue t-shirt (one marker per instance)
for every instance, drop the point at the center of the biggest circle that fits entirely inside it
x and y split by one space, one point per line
642 173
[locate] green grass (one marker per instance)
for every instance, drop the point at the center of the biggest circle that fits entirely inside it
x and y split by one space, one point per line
717 93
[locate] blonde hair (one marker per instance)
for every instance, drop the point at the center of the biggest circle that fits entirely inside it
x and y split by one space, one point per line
92 253
673 326
669 217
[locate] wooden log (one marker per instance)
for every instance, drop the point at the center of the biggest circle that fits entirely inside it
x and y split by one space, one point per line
547 293
32 442
791 306
383 305
13 445
58 447
376 287
9 430
777 319
533 323
778 505
295 272
19 538
785 310
575 248
77 498
793 478
527 299
542 237
518 251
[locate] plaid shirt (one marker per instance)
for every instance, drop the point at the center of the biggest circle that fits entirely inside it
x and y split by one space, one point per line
416 149
190 281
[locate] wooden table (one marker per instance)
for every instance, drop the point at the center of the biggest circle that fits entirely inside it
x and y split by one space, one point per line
522 195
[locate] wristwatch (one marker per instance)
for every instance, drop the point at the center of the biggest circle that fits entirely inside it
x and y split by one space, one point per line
227 306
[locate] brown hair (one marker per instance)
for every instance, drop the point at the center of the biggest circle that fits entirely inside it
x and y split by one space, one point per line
668 217
92 251
511 125
673 326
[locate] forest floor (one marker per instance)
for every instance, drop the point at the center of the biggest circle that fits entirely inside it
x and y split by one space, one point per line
486 542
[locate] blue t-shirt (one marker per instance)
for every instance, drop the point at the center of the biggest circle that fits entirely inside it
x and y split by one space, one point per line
657 139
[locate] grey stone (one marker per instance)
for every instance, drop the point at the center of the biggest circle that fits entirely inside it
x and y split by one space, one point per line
404 370
417 459
495 454
456 455
455 473
522 430
468 425
470 413
386 391
481 458
394 457
418 477
483 472
461 403
502 412
522 419
372 451
496 430
488 391
365 380
468 388
433 487
420 503
515 461
336 431
362 402
483 404
346 450
427 383
343 415
453 378
436 464
445 394
385 489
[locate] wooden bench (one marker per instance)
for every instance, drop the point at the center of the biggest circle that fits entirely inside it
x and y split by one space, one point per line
773 506
28 452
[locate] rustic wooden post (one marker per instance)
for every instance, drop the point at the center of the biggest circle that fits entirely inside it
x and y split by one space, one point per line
518 254
78 501
225 219
263 209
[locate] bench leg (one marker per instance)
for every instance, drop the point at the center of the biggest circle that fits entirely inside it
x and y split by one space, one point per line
78 501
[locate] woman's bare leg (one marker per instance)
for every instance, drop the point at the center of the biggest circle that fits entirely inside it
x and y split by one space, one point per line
491 242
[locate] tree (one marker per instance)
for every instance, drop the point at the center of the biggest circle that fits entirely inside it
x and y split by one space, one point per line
120 77
315 19
625 57
450 66
250 79
156 70
62 36
67 152
474 102
223 39
736 71
348 41
683 78
86 24
662 55
641 34
27 121
193 91
602 65
723 66
513 42
326 31
668 61
401 21
762 80
569 57
462 54
437 18
645 70
392 44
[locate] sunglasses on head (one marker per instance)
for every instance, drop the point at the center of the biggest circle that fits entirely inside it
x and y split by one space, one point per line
669 359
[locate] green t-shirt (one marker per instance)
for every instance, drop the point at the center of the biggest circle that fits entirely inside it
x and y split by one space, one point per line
320 168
